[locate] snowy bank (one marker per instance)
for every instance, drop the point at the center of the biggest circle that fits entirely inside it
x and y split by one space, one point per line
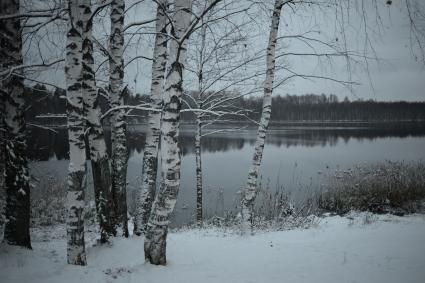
362 248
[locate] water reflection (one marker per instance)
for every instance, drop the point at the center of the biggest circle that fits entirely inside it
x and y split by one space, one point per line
44 145
292 159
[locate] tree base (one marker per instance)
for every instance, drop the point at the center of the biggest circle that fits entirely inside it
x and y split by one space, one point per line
156 244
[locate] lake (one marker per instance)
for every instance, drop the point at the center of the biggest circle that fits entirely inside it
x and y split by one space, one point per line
295 158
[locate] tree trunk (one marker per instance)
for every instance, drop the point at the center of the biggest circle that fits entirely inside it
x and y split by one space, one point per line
16 180
250 191
76 123
199 207
150 154
165 200
2 159
118 124
97 147
198 134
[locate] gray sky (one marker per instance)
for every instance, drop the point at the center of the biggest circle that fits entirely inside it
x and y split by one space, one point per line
397 76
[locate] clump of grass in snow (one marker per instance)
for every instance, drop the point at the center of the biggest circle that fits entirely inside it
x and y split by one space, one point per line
276 210
387 187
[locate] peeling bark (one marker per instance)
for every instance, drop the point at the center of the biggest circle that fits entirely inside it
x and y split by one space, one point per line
76 125
150 154
16 182
165 200
97 146
250 190
118 123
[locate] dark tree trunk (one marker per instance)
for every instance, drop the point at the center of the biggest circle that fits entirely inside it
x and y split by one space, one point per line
103 197
2 159
118 123
98 154
16 172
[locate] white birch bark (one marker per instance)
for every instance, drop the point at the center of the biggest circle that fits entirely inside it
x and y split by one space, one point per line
198 133
118 124
165 200
76 124
150 154
250 190
16 182
97 146
199 207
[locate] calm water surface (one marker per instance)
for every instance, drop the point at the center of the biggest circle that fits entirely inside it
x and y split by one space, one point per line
295 158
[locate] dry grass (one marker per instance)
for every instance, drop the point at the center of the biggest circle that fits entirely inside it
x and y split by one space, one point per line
387 187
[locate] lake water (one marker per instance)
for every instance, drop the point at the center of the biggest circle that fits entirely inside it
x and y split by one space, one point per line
295 158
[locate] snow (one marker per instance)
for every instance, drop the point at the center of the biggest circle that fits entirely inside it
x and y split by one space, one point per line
74 199
355 249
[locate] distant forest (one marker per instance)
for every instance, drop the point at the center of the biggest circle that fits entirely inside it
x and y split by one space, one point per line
301 108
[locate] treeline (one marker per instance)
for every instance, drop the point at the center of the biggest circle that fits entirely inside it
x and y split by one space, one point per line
311 107
48 106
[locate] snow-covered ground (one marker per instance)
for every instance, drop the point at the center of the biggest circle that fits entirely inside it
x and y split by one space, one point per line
366 249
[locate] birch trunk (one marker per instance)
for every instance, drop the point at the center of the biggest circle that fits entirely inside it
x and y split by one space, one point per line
198 136
250 190
16 180
165 200
77 156
150 154
97 147
118 124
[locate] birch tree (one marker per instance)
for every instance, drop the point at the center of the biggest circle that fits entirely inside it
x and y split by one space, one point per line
250 190
118 124
165 200
16 180
150 154
97 147
218 59
334 49
76 126
198 124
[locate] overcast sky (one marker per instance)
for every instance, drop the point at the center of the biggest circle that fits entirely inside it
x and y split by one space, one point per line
397 75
